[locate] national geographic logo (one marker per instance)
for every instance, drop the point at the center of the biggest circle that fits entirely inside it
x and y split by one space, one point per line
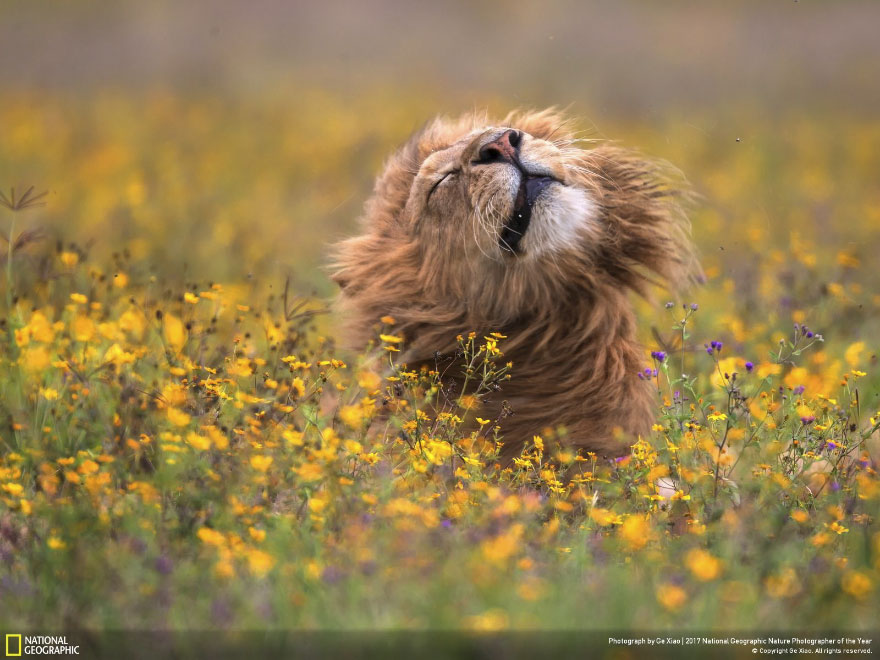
18 645
13 646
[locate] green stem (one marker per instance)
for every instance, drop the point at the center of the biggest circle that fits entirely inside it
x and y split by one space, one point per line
9 267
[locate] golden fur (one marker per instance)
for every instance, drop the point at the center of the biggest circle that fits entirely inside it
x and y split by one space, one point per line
433 255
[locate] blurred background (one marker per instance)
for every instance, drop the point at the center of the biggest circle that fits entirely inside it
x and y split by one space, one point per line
225 139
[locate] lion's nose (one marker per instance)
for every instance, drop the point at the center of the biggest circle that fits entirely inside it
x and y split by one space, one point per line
502 149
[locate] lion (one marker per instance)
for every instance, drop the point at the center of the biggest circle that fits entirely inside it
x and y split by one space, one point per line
513 227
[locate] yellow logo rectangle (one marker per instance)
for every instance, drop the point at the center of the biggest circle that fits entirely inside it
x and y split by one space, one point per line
9 653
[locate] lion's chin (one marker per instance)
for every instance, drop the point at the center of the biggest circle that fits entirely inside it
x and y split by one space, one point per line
563 218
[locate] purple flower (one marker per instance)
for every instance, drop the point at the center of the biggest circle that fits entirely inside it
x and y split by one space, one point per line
809 334
670 305
164 565
835 486
447 524
648 373
695 307
660 356
808 420
750 366
332 575
799 390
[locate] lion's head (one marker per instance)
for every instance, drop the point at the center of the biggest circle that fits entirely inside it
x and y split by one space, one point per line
494 211
512 225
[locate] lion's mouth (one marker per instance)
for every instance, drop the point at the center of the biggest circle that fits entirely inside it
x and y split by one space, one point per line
530 188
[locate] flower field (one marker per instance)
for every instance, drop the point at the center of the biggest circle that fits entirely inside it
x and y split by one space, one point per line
184 444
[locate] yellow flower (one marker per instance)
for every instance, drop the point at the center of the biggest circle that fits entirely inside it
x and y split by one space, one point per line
198 441
35 359
530 590
258 535
211 537
88 466
191 298
261 463
353 446
352 416
13 488
293 437
369 380
69 259
503 546
117 355
174 332
49 393
635 531
853 353
221 442
310 472
857 584
539 443
489 621
259 562
703 565
178 417
799 515
391 339
298 386
837 527
83 328
847 260
604 517
224 569
79 298
40 329
671 597
782 585
23 336
132 322
55 543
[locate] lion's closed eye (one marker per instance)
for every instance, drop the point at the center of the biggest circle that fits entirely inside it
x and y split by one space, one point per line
448 176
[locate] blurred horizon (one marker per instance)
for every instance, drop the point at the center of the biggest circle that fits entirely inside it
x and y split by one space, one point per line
633 59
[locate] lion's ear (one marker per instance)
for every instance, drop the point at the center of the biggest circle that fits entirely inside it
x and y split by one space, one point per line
646 228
